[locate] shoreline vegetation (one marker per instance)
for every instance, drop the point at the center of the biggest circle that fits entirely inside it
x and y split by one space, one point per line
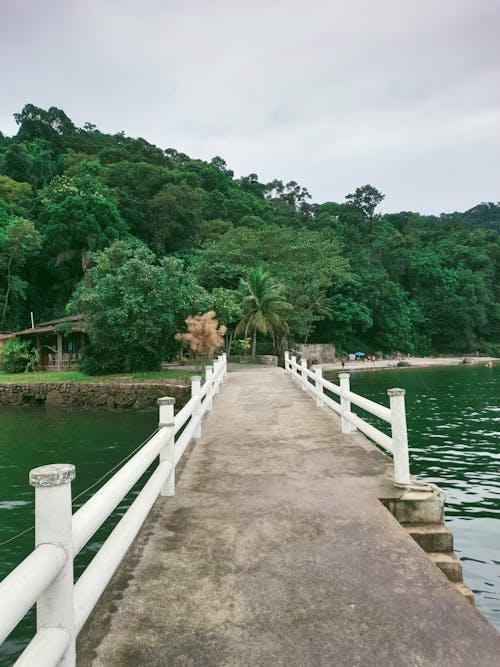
76 376
182 374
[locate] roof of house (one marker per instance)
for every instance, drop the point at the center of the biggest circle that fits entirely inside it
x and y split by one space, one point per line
48 327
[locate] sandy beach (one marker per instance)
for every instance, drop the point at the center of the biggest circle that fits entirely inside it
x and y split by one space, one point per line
414 362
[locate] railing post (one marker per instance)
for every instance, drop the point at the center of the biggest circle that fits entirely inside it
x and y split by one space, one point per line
293 370
53 519
209 373
196 391
345 403
167 453
303 377
221 362
216 380
318 371
287 361
399 436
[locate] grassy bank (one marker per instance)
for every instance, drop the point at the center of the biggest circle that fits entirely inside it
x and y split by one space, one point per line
76 376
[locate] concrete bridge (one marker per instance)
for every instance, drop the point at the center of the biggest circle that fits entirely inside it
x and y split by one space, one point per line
278 548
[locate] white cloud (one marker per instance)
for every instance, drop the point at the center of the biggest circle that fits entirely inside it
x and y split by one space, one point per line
398 93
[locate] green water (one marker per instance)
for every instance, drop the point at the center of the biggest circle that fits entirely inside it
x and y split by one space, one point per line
453 422
453 416
93 441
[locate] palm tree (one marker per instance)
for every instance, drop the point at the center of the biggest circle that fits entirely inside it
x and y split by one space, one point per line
263 305
319 304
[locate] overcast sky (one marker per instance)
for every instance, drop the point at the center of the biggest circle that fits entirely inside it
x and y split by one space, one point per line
401 94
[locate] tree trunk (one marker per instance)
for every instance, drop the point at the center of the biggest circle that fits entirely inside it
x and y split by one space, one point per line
254 343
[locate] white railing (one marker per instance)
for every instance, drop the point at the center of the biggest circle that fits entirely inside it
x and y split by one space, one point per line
313 382
45 577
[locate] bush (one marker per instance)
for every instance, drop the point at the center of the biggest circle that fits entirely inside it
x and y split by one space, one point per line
96 362
18 357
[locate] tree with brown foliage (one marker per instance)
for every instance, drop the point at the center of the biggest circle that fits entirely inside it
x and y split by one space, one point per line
204 336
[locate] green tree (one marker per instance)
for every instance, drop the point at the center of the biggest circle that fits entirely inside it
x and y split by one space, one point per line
263 307
133 305
19 243
78 215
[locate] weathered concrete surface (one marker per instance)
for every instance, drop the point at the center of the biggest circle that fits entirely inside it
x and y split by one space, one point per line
276 551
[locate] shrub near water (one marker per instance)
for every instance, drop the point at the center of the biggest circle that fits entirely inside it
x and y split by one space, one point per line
17 357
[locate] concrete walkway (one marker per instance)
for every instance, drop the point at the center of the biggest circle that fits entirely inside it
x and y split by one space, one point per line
277 551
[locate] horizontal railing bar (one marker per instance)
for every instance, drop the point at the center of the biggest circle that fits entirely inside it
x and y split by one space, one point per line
368 405
380 438
334 388
331 403
184 413
45 649
23 586
90 586
90 517
186 437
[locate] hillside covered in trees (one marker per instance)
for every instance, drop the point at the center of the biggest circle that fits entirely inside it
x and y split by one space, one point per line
138 238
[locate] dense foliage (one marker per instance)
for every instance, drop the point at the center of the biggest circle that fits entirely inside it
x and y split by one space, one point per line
138 238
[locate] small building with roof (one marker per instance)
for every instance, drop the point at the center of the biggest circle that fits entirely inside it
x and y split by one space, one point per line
60 342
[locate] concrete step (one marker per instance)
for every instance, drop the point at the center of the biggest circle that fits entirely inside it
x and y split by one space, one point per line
431 537
416 507
449 564
465 591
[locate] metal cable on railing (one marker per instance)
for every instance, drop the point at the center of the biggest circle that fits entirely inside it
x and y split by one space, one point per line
46 574
94 484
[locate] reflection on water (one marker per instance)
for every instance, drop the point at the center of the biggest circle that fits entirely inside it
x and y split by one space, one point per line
453 427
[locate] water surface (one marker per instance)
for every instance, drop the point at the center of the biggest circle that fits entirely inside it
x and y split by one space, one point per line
94 441
453 418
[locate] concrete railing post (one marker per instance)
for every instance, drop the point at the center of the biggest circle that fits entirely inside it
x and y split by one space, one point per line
53 525
221 363
209 374
318 371
167 453
345 403
303 377
216 370
196 391
293 370
287 361
399 436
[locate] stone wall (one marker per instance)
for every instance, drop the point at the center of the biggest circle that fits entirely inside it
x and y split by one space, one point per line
111 395
321 352
261 359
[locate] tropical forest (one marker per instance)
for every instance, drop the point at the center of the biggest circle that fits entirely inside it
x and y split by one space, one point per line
138 238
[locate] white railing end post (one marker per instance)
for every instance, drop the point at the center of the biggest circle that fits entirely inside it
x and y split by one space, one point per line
303 377
209 374
318 371
167 453
287 361
399 436
345 403
53 525
196 391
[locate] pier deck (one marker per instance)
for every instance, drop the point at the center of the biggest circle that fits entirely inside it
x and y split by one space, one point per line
276 550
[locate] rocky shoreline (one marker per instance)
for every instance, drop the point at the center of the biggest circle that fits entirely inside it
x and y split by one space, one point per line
108 395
